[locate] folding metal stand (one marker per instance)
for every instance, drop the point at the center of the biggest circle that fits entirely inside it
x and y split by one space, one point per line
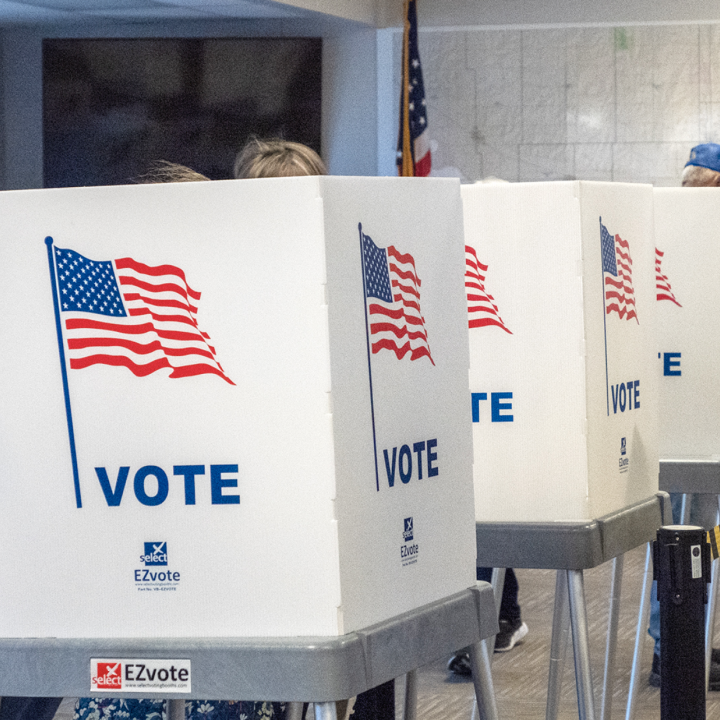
686 477
570 548
321 670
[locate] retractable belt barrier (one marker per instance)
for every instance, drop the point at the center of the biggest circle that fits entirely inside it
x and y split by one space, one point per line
682 570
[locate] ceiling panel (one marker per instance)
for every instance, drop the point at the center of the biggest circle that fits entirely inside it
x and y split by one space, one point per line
237 8
40 11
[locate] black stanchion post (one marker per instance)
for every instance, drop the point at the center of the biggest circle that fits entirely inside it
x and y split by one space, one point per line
682 569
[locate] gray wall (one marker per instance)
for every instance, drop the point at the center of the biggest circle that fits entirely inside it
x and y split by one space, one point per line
349 133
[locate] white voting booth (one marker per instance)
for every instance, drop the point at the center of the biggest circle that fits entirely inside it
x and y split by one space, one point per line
266 382
687 264
564 383
688 308
561 296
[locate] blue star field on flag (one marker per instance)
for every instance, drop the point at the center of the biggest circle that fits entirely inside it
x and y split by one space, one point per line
607 244
377 276
87 285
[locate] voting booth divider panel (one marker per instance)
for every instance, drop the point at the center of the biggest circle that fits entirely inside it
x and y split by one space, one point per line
264 443
564 376
688 264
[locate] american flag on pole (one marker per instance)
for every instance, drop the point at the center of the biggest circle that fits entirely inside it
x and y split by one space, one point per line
392 292
124 313
413 153
662 284
617 275
482 310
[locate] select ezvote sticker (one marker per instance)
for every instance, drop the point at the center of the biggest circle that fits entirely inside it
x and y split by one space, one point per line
129 675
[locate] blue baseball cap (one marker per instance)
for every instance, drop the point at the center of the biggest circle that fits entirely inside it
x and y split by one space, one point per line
706 155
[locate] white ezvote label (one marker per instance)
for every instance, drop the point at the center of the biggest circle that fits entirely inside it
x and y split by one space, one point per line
696 556
148 676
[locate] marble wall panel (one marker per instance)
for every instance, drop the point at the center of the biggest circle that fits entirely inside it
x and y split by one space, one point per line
676 110
544 123
634 84
623 104
676 77
634 162
544 80
546 162
590 86
501 161
450 92
714 52
496 59
704 55
657 163
593 161
710 115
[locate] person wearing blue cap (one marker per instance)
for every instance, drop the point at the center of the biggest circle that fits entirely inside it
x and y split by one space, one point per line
701 170
703 167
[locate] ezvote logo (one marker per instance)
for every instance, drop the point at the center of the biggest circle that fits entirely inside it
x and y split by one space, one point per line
155 554
148 578
408 552
108 677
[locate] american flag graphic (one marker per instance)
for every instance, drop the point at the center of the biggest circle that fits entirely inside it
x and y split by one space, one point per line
662 284
413 153
482 310
392 292
124 313
617 274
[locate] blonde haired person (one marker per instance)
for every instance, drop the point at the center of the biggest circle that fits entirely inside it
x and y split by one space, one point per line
168 172
281 158
277 158
145 709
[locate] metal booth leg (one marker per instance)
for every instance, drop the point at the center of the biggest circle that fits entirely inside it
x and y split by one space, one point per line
325 711
482 679
176 710
581 646
611 647
410 709
558 645
643 619
293 711
685 508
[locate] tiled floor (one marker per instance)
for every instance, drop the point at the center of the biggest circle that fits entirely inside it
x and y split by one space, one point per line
520 676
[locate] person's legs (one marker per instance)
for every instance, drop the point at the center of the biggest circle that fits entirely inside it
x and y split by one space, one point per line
512 628
376 704
509 607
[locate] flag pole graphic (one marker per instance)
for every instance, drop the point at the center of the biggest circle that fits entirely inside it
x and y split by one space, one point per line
63 368
367 337
602 274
